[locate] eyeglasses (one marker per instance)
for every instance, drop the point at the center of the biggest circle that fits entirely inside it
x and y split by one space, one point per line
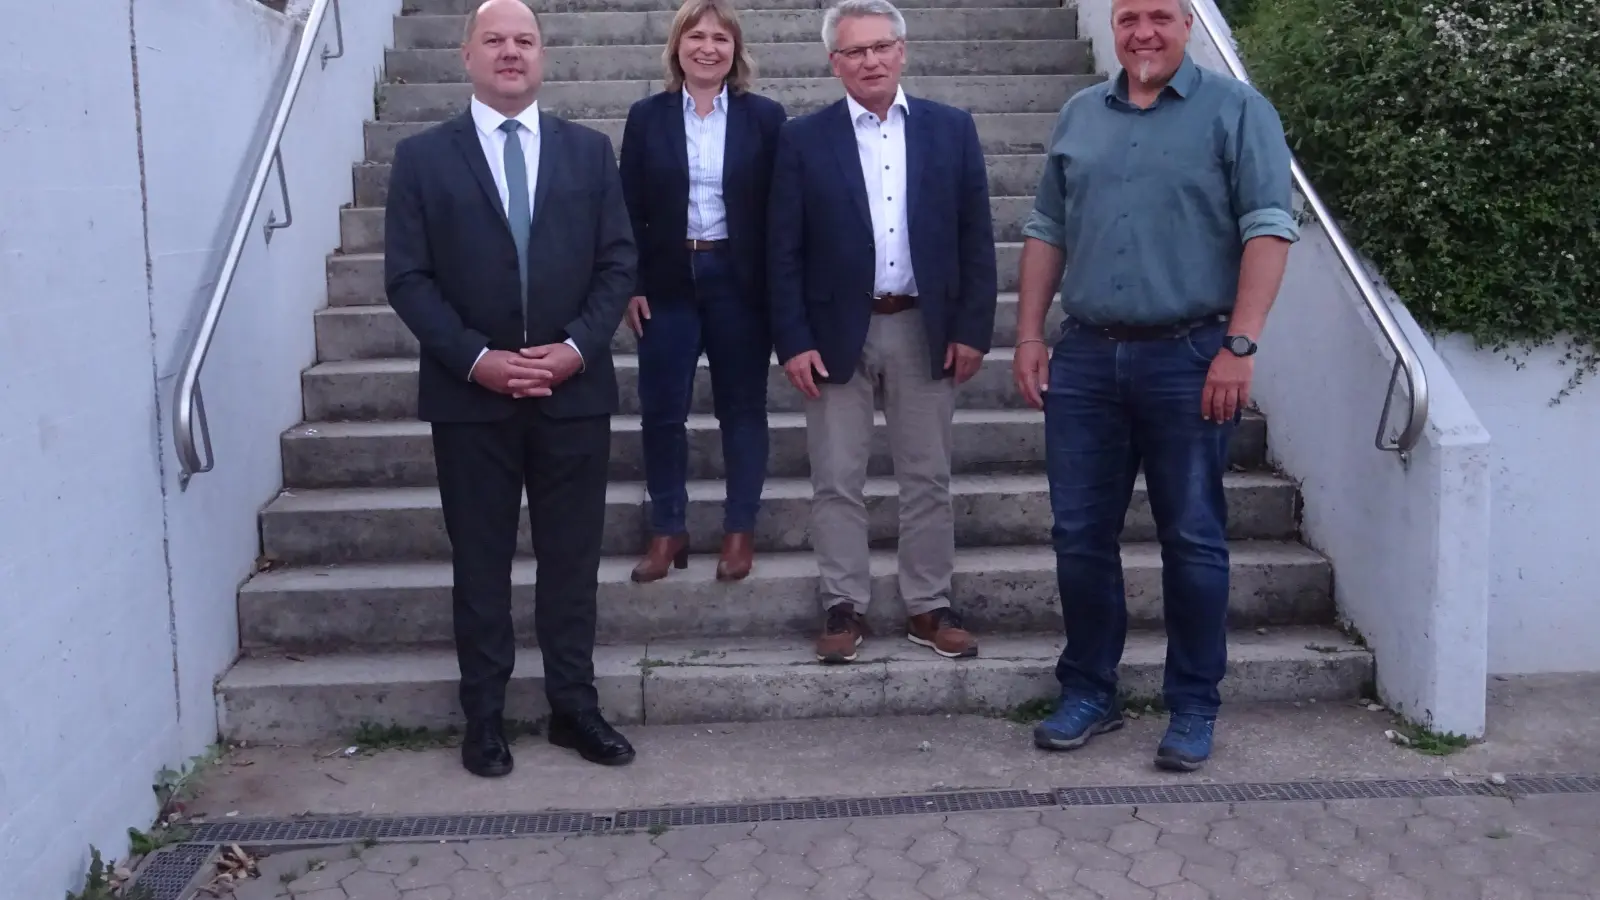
857 54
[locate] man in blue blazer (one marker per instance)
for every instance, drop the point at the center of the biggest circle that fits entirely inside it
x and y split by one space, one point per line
881 275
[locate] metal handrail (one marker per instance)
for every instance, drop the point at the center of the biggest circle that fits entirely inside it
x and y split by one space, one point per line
189 406
1405 356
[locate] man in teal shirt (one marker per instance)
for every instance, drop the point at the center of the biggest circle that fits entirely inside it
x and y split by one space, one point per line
1166 197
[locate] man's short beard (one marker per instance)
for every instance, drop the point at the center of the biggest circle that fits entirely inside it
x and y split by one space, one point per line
1144 71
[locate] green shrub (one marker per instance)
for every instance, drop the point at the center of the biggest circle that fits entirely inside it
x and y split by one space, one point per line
1456 140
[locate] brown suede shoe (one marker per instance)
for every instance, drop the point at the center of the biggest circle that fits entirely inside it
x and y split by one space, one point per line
941 630
842 633
666 552
737 556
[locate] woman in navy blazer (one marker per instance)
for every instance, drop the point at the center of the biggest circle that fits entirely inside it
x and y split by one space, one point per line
696 162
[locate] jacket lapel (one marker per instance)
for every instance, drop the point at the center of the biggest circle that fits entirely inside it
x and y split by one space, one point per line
843 132
552 145
919 138
466 139
677 137
733 145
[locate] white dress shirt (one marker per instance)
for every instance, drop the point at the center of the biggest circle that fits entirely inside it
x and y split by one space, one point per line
707 138
882 146
493 142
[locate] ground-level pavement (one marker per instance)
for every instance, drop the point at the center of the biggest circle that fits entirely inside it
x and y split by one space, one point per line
1530 844
1444 848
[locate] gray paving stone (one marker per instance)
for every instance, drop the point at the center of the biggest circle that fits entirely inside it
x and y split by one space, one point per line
947 879
1156 868
1459 850
471 884
370 885
323 874
431 869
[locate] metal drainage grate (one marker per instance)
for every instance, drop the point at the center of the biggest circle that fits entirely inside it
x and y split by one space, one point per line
858 807
1282 791
171 871
336 830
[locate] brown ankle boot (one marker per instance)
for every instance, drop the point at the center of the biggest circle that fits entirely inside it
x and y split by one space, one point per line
666 552
737 556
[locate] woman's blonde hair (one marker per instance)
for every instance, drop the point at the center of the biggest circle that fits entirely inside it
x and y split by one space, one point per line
743 72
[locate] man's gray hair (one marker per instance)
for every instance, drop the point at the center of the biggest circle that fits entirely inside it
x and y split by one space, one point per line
1185 8
856 9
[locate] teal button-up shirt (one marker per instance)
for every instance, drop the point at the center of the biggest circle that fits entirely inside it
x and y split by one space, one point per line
1153 206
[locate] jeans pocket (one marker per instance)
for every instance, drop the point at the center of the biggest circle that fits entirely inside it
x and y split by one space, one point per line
1205 343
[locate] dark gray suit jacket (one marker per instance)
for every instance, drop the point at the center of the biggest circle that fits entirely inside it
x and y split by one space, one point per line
450 266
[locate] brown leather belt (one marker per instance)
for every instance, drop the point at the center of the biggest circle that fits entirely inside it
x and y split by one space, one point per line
706 245
1165 332
889 304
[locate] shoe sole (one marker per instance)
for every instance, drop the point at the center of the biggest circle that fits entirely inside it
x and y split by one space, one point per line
834 659
924 642
489 771
1044 743
1174 764
597 760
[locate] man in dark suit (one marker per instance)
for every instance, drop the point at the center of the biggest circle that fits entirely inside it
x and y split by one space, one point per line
509 255
882 274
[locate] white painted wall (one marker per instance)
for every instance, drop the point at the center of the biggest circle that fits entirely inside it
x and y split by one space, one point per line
1544 571
120 168
1409 541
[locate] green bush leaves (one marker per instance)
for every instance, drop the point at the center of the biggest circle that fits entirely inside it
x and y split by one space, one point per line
1458 141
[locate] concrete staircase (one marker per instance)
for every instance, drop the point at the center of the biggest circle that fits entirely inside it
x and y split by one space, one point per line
351 622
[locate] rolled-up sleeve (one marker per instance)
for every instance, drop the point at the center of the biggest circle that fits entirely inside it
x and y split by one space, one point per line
1262 184
1047 221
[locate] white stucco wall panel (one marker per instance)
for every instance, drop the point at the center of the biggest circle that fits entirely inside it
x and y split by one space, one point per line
89 697
1544 578
86 697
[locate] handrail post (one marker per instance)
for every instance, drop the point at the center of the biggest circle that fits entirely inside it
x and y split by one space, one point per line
1405 354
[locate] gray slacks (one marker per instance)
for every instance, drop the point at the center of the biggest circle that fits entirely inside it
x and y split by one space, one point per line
918 410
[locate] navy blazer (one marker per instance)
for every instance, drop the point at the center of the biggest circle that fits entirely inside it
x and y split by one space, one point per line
822 262
655 183
450 266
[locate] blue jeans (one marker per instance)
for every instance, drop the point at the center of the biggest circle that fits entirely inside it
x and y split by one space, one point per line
1112 405
732 330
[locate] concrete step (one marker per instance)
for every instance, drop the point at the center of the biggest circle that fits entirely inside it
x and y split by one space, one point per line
400 454
611 99
783 60
361 229
327 527
363 390
999 133
376 332
357 278
999 591
317 698
461 7
761 26
1010 175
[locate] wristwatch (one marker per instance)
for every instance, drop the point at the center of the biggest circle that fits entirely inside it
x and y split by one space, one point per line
1238 345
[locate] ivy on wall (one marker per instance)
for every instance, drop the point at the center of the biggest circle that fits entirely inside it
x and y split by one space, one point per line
1458 141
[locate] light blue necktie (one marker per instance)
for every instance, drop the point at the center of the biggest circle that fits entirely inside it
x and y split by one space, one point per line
518 216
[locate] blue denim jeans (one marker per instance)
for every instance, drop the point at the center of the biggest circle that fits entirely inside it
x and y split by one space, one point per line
1110 407
732 331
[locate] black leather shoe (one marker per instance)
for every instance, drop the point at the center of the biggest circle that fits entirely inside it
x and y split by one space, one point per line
484 751
594 738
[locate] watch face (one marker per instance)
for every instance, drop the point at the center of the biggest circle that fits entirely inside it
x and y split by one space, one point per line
1239 345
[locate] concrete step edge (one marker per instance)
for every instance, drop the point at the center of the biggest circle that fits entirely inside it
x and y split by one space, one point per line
399 576
313 697
339 500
